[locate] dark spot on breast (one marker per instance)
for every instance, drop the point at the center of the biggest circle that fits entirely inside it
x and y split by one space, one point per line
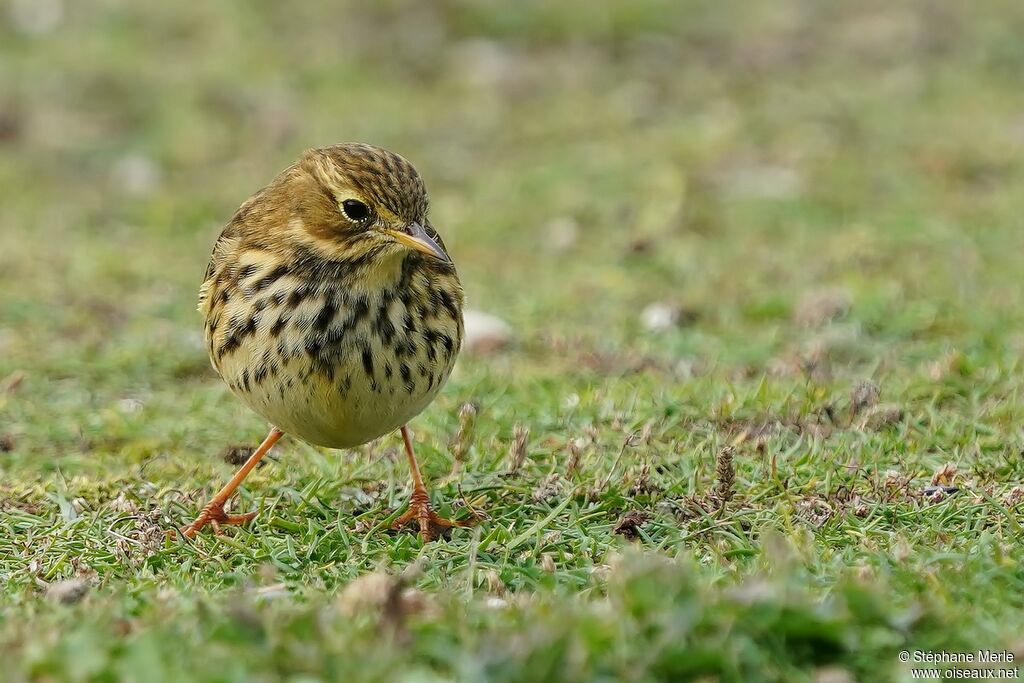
313 345
449 345
298 294
383 326
325 316
267 368
335 334
278 327
360 309
410 385
245 380
325 369
270 278
405 348
368 361
447 302
238 330
389 372
431 336
246 270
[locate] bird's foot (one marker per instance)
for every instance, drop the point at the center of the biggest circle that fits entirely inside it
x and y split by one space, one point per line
214 515
432 525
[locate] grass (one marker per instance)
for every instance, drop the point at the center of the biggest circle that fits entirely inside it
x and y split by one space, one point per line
824 198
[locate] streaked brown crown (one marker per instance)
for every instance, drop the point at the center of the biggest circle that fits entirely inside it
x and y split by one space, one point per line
383 178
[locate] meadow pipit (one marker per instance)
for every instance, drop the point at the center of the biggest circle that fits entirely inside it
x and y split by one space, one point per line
333 310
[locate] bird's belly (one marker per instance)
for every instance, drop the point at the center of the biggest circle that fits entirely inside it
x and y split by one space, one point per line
341 382
319 412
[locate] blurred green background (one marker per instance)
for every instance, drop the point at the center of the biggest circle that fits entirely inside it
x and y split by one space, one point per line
704 223
585 161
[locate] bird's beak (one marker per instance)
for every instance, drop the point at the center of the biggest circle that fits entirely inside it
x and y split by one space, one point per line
415 237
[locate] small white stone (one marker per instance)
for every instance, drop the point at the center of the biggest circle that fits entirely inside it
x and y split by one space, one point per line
481 63
68 591
136 174
764 182
36 17
822 306
562 234
494 602
130 405
659 317
485 333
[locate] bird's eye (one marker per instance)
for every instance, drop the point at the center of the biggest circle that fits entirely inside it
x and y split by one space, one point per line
355 210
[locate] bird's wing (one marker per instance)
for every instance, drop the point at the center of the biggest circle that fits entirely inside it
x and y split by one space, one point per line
209 280
226 243
255 209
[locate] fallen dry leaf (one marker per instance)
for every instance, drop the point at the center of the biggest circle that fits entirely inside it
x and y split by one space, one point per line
945 475
629 525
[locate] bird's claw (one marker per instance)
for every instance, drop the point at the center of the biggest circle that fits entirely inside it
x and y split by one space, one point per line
432 525
214 515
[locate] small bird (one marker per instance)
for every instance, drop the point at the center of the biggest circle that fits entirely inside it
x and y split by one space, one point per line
334 311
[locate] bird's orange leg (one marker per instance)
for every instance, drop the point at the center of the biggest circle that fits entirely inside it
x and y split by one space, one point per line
213 513
431 524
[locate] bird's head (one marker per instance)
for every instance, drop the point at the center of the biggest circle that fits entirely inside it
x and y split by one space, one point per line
367 201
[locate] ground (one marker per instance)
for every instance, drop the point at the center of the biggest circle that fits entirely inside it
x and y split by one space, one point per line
761 412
